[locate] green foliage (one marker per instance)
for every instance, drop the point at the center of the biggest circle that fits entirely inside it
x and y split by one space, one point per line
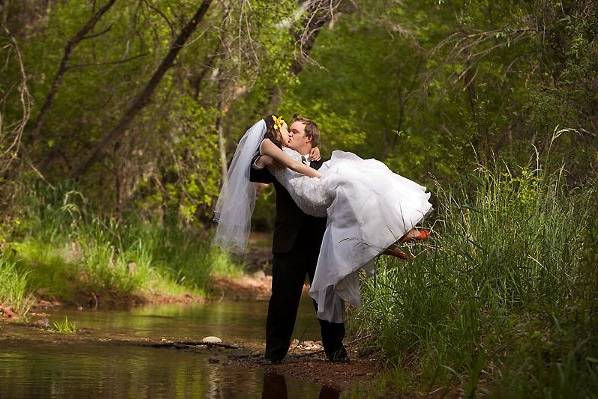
191 174
431 88
498 304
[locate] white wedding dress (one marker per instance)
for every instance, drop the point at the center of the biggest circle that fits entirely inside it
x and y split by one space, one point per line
368 207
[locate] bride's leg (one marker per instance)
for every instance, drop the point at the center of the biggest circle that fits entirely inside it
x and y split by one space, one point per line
393 250
411 235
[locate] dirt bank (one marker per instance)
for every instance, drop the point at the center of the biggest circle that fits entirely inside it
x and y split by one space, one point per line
256 286
311 365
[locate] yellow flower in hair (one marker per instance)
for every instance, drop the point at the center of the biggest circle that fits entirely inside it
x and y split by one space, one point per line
278 121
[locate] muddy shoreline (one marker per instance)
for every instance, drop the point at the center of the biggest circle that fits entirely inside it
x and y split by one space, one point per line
254 287
305 361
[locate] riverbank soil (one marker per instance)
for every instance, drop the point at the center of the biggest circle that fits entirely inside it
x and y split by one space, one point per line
314 367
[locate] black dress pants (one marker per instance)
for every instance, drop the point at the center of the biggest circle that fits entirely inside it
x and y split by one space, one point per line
288 275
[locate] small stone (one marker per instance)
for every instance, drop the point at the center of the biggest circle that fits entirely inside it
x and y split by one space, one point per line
211 340
131 267
259 275
213 360
42 323
6 311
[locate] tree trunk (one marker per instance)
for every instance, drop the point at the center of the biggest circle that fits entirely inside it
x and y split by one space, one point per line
404 96
64 64
479 140
222 148
223 102
4 5
144 97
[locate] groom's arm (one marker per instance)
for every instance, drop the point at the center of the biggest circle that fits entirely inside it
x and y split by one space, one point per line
317 164
264 175
260 175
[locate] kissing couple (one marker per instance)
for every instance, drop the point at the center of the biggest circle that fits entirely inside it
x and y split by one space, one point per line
333 218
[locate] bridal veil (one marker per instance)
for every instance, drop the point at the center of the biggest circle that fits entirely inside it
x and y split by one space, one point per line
237 197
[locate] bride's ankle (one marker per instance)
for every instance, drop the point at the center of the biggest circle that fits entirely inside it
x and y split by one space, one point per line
394 250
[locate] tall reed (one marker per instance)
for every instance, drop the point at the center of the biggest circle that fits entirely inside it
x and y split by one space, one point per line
499 301
71 250
13 287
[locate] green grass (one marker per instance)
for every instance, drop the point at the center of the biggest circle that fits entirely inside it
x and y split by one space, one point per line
501 302
13 287
64 326
64 251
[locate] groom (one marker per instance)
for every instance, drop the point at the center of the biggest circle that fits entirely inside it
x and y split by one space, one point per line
295 249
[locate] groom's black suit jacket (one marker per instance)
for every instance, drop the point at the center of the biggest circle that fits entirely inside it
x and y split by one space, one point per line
292 227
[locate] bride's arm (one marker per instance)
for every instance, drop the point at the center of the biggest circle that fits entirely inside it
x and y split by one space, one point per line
270 149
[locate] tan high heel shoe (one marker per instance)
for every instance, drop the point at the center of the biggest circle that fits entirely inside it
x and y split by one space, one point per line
416 235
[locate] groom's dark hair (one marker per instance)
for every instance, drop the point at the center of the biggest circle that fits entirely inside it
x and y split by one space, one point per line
311 129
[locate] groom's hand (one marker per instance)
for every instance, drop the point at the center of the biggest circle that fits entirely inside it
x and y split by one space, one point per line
260 175
314 154
260 187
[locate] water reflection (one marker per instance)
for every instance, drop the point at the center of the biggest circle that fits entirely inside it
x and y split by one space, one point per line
31 368
44 370
231 321
275 387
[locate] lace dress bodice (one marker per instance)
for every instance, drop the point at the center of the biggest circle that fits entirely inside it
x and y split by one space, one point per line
307 192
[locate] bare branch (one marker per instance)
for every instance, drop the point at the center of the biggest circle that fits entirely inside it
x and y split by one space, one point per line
164 17
11 134
319 13
123 61
93 36
471 47
144 97
64 65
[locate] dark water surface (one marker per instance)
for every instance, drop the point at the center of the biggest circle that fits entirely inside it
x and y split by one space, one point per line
39 368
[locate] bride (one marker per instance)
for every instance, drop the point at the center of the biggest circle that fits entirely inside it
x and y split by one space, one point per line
369 209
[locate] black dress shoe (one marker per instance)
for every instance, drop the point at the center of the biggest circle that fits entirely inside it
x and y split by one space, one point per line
344 359
340 356
269 362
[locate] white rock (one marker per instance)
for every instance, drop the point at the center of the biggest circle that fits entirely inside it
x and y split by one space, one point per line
259 275
212 340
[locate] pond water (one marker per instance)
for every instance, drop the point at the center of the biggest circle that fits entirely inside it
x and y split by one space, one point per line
40 368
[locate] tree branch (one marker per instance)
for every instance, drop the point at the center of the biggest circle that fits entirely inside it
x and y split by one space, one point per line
64 64
143 98
10 152
110 62
320 13
93 36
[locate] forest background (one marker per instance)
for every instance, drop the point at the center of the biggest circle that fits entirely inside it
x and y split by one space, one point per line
118 119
